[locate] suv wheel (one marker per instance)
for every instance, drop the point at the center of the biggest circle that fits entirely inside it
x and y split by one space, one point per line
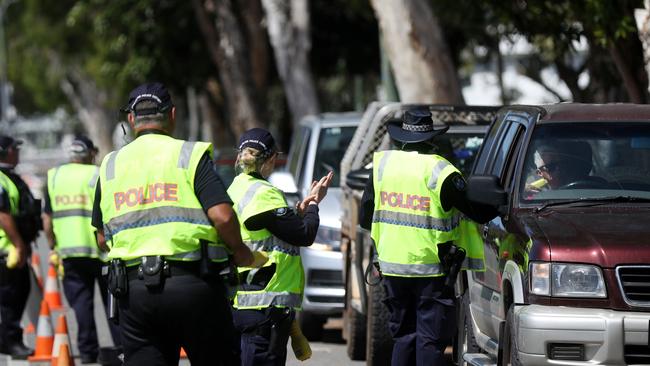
311 325
354 326
510 356
464 341
379 343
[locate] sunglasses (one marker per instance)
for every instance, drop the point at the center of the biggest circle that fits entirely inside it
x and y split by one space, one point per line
549 168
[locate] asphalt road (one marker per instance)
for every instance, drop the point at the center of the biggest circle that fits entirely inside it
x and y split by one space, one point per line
331 351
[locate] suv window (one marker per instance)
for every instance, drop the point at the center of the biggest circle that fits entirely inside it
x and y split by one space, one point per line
332 143
587 160
506 145
485 158
297 147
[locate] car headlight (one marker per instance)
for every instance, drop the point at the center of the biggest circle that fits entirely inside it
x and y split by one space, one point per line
327 238
566 280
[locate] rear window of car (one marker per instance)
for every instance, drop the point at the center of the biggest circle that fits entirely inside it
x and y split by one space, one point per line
587 160
332 143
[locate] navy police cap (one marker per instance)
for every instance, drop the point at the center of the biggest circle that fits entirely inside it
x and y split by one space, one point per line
257 138
152 92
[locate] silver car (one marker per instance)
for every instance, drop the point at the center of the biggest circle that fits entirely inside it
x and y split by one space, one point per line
318 147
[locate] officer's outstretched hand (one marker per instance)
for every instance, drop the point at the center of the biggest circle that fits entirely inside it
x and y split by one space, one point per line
259 259
319 188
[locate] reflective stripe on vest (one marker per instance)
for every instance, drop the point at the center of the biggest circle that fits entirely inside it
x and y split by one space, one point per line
433 269
435 173
273 244
71 213
252 299
155 216
148 201
252 196
473 264
417 221
76 251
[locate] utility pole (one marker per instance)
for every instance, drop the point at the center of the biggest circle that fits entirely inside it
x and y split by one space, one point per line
4 82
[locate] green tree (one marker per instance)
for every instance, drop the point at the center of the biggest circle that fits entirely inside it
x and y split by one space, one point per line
554 27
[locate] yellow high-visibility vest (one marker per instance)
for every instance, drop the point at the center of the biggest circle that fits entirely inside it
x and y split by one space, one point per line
71 188
409 221
252 196
14 199
148 202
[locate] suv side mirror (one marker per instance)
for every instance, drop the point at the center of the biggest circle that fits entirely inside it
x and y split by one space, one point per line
357 179
486 189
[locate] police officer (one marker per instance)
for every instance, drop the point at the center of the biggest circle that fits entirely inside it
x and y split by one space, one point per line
412 203
19 225
164 213
268 297
67 213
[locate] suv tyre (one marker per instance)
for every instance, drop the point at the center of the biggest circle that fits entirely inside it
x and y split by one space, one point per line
510 356
379 343
355 325
464 341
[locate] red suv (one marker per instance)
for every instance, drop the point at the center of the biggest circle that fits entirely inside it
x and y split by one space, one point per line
567 277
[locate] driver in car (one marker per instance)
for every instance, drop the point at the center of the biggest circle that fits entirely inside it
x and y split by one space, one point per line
561 165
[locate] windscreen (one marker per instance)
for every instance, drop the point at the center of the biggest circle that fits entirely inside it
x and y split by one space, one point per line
332 143
587 160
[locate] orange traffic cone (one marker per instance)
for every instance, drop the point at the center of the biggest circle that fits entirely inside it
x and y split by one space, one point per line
61 337
183 354
65 357
36 267
29 329
44 335
52 295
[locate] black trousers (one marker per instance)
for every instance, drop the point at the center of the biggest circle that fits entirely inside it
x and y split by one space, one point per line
254 327
187 311
422 319
79 288
14 290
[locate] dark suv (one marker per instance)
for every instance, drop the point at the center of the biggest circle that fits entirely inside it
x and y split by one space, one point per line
567 277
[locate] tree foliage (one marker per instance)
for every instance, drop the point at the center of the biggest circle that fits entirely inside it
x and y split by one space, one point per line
120 43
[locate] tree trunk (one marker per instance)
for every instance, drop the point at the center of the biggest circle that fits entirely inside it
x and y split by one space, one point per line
252 16
288 27
228 52
88 101
214 127
623 56
193 121
418 52
642 17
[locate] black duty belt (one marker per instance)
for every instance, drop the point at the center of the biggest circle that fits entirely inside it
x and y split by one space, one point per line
176 268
